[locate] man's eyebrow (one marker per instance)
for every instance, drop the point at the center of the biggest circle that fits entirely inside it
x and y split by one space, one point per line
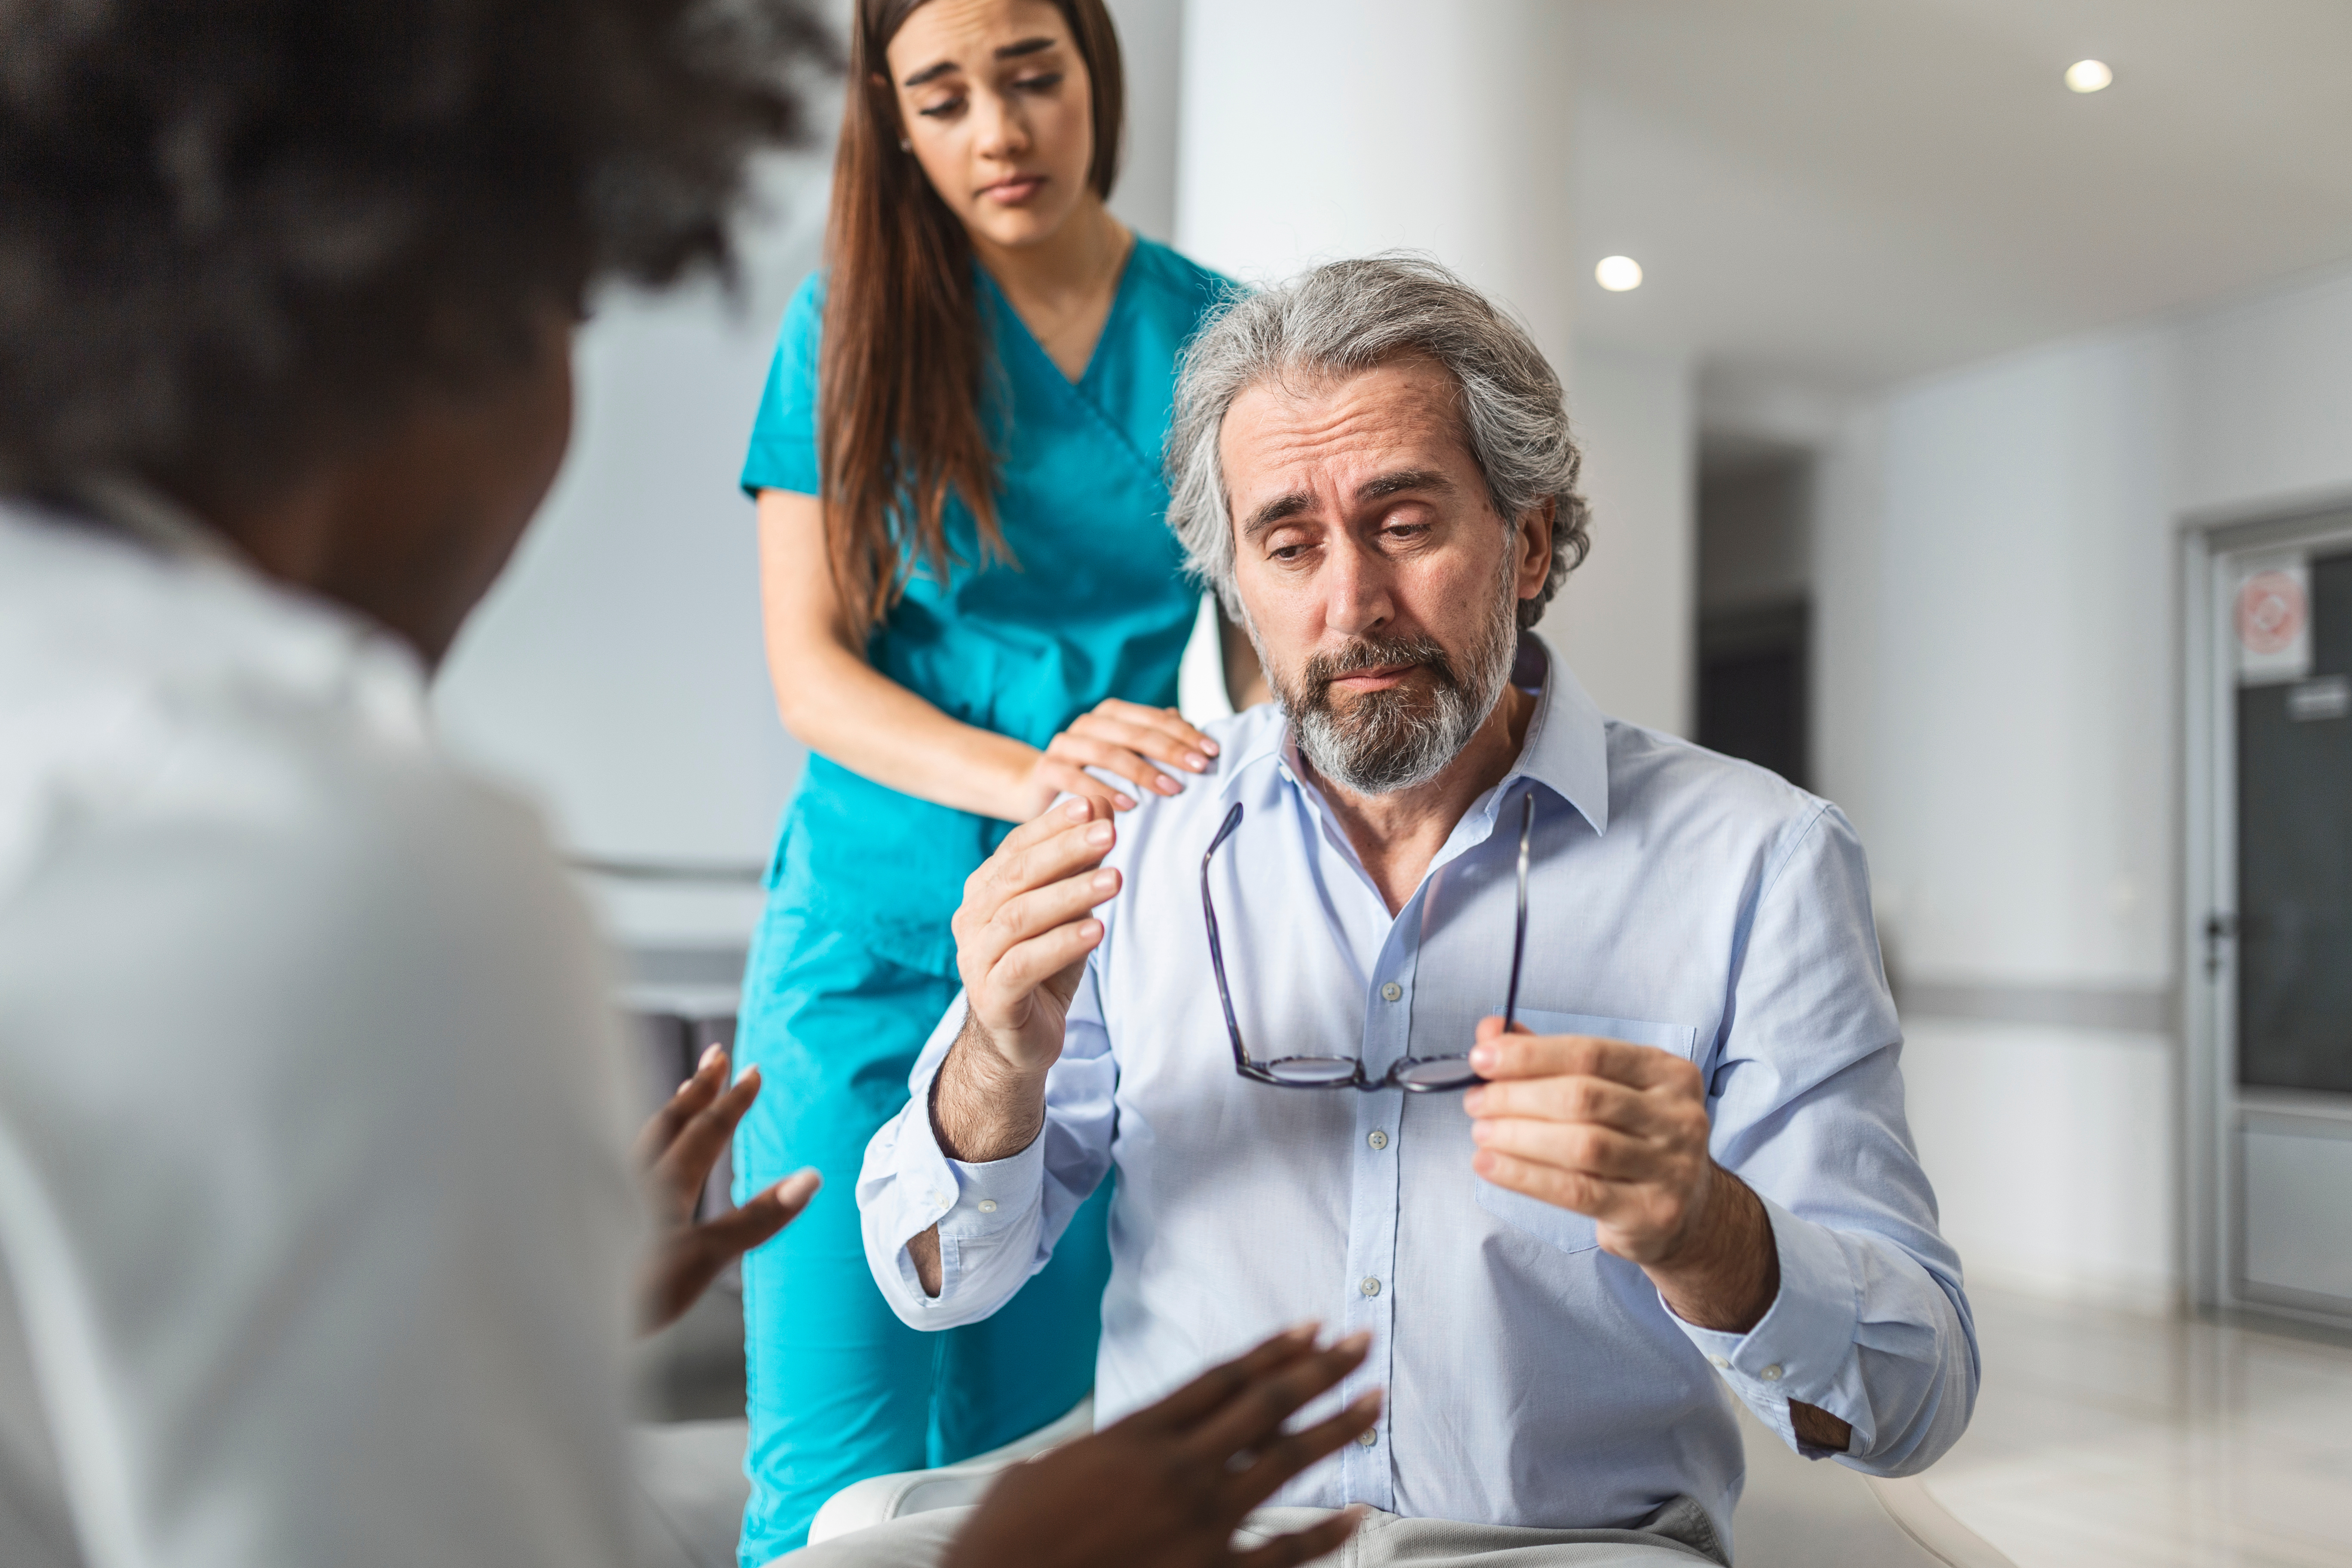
1273 512
1401 480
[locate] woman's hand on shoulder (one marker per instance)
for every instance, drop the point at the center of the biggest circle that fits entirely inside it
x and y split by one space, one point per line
1123 739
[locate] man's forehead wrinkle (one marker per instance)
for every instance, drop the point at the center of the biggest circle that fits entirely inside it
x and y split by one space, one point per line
1300 413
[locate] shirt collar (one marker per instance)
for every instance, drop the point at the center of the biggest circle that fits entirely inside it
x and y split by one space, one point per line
155 520
1567 745
1566 749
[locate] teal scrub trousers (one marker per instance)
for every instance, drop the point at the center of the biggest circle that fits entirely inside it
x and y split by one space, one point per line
840 1389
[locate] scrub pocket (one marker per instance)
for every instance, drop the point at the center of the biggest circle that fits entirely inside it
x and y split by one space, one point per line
1564 1228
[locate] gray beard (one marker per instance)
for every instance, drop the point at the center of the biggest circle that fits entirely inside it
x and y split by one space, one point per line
1385 741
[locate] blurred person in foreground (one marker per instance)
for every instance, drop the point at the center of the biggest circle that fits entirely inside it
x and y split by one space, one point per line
318 1236
1277 1005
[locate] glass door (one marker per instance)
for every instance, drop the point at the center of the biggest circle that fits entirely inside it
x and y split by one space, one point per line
2278 933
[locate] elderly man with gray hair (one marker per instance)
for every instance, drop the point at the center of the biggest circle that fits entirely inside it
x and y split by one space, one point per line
1549 1056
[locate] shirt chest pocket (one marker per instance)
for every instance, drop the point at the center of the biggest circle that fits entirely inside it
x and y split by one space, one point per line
1565 1228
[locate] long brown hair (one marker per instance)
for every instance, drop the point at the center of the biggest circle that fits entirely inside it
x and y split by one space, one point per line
905 376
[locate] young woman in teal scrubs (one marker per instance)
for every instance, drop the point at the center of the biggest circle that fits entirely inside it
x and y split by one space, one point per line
972 597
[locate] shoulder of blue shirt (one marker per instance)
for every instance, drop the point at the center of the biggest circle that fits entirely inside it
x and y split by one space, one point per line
1647 768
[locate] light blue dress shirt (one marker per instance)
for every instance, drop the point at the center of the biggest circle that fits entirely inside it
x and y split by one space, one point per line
1677 899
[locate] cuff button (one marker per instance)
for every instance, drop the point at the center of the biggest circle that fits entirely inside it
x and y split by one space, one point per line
1770 1373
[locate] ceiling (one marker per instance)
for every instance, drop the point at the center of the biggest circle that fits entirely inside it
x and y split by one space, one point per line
1830 194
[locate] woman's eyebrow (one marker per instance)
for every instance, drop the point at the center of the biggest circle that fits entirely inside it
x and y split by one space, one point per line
1009 52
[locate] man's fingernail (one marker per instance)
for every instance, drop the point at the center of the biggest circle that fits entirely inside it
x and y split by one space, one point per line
1126 802
752 1071
1300 1333
1105 881
710 1053
1475 1101
1210 747
1482 1057
1100 835
1079 807
1196 762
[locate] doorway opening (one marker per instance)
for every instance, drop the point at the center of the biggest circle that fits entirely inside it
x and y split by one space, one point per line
1754 622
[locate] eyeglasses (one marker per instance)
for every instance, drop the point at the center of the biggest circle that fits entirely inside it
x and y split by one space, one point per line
1414 1075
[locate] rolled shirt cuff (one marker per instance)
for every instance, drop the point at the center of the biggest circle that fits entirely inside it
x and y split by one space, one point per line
971 1204
1801 1344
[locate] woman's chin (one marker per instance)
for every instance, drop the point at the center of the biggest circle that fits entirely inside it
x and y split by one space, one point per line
1018 227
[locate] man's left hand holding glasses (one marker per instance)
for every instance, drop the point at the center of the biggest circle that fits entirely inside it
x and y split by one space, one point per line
1619 1131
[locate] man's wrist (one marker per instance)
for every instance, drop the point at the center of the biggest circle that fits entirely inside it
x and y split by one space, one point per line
984 1108
1726 1272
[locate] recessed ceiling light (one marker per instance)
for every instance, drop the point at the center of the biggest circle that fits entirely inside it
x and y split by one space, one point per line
2088 76
1618 273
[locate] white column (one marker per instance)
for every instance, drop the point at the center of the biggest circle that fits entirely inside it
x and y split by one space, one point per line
1626 622
1314 130
1320 129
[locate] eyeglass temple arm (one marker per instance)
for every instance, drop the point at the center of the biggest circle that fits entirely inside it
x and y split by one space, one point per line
1216 948
1518 937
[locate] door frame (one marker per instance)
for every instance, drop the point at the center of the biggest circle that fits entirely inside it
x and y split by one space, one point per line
2213 1105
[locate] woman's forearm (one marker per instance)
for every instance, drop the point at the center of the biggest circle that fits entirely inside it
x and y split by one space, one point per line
835 704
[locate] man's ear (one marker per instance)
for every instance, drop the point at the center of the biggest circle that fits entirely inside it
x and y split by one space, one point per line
1535 545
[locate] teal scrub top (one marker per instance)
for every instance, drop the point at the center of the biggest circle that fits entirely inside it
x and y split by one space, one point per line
1095 605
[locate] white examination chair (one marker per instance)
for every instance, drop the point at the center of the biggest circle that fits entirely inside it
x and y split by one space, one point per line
883 1497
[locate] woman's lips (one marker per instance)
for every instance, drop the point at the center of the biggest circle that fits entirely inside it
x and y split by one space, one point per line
1013 192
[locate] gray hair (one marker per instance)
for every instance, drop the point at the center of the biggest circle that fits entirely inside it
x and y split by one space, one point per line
1347 317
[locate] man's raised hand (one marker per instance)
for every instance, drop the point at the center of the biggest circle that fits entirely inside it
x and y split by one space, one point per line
1166 1486
1025 928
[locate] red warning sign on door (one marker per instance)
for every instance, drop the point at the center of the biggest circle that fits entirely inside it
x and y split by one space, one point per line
2274 621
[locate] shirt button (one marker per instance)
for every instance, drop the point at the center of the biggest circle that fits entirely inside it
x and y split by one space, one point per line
1719 1362
1770 1373
988 1205
1368 1439
1377 1139
1370 1287
1392 990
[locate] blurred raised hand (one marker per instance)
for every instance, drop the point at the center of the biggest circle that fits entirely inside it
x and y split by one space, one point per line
676 1151
1166 1486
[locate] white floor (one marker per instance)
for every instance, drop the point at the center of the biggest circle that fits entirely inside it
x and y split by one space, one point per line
2105 1438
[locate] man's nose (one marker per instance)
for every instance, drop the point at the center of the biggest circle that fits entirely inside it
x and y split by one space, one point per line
1357 593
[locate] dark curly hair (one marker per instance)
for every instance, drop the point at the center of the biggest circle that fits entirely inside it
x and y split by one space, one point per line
233 232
